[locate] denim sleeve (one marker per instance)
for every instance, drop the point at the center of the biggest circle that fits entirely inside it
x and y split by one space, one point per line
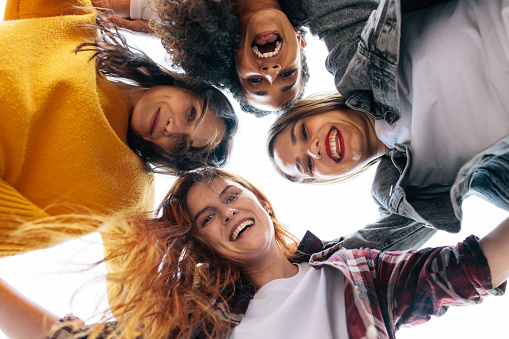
339 24
391 232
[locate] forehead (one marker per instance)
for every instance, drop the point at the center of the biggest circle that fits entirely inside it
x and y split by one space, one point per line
286 152
204 192
273 98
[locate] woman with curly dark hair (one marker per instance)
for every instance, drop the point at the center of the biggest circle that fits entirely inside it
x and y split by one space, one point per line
250 47
254 48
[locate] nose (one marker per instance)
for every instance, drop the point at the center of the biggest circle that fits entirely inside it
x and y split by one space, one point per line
174 126
229 213
314 149
271 71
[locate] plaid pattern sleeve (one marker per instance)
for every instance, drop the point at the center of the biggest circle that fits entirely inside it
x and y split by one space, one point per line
414 285
70 327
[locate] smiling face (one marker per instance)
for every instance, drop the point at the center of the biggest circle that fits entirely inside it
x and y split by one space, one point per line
327 145
269 61
232 220
174 119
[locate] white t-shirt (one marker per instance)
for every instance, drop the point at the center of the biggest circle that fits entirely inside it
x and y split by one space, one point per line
454 87
310 304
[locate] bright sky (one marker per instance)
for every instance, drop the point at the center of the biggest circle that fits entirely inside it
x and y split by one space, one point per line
51 277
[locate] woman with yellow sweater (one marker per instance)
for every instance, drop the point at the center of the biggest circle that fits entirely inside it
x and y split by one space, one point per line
67 134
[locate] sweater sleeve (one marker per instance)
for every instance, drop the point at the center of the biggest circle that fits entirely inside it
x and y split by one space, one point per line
14 209
29 9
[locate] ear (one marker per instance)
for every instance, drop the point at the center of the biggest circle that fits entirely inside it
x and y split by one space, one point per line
265 205
301 41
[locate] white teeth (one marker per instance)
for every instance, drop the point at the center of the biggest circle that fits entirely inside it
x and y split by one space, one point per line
268 54
244 225
334 147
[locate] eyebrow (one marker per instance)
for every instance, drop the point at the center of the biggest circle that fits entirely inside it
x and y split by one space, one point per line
207 207
259 93
292 134
198 123
202 114
298 165
294 142
287 88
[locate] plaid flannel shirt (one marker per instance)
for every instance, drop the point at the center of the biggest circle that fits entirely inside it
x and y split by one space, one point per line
384 290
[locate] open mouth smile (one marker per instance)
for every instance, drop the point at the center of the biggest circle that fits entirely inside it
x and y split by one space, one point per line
335 146
243 226
267 45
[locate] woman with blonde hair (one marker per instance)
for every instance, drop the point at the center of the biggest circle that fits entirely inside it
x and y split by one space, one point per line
86 118
428 98
216 262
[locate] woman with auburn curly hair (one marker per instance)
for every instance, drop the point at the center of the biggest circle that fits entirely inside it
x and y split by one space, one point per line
84 125
216 262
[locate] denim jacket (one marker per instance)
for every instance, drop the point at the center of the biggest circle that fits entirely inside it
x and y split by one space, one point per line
408 220
363 45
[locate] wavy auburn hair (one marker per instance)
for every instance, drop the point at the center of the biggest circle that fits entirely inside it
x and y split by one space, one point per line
167 280
318 103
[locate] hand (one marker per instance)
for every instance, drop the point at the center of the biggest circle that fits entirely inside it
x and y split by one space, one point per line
133 25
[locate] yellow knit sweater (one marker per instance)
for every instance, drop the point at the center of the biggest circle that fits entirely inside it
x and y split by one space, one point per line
62 129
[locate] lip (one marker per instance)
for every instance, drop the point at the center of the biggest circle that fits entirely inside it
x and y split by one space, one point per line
234 227
261 35
153 122
339 140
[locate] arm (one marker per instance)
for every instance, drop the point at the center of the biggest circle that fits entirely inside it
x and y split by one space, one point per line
339 24
392 232
22 318
130 14
414 285
121 8
495 247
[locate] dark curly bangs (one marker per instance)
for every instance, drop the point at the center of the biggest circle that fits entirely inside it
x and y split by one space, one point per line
202 37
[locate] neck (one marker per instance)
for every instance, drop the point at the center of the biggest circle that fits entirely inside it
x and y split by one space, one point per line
246 8
275 266
132 92
379 148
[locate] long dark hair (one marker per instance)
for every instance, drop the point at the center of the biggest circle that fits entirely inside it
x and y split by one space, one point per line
115 58
202 37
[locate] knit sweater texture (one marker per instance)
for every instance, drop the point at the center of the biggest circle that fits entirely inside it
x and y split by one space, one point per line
63 146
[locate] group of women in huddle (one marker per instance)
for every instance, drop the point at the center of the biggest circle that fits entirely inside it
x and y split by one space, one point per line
89 118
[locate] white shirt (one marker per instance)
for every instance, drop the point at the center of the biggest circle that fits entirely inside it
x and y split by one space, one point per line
310 304
454 87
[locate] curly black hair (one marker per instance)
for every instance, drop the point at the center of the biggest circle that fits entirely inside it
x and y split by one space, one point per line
202 37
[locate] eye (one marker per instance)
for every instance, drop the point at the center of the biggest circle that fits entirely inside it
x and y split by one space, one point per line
207 219
254 80
192 115
181 145
310 166
304 132
232 197
287 73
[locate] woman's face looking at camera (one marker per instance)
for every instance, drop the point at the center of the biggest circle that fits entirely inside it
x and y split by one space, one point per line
234 223
326 146
175 120
269 61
